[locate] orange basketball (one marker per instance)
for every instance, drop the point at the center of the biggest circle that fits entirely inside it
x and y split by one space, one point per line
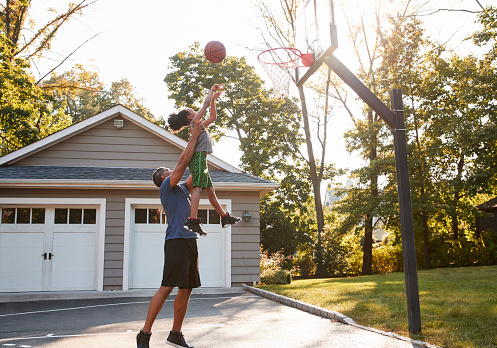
215 52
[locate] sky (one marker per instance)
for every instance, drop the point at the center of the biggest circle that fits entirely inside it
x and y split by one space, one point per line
135 41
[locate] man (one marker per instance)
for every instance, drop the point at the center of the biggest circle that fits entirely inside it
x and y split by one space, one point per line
180 246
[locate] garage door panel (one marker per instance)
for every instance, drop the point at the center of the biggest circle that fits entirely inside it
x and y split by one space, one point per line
73 263
21 261
147 259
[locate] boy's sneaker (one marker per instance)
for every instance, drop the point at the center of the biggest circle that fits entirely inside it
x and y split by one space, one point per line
228 220
176 339
142 339
194 225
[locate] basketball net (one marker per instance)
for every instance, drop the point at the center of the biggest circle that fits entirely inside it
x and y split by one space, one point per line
280 63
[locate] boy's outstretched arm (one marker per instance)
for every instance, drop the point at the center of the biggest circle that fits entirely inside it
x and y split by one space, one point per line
207 101
213 115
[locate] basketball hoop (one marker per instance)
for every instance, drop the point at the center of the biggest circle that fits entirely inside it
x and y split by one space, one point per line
279 63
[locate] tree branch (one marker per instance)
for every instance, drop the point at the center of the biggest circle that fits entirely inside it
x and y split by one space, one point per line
37 82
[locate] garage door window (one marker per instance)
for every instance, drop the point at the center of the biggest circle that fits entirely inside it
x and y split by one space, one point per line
23 215
150 216
75 216
208 216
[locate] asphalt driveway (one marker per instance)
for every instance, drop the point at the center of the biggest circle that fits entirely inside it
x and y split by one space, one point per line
235 319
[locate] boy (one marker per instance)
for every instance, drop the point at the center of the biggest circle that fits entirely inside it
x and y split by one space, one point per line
201 179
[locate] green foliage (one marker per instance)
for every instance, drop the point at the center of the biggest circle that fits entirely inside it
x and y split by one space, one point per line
304 261
82 94
467 252
26 112
272 268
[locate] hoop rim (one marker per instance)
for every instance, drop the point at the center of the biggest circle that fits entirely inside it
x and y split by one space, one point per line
295 51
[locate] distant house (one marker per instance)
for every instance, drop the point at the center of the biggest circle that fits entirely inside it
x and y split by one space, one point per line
79 210
488 222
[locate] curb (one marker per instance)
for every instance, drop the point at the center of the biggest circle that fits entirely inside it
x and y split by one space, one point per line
332 315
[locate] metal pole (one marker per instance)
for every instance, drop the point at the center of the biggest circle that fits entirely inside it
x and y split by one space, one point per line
405 210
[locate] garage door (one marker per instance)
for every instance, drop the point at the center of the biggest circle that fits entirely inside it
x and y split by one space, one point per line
146 255
48 248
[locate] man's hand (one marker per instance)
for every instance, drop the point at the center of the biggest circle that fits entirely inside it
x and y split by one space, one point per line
197 130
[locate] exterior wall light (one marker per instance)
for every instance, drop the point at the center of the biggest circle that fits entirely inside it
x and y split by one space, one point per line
246 216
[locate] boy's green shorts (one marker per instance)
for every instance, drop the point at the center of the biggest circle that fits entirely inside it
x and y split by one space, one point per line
199 171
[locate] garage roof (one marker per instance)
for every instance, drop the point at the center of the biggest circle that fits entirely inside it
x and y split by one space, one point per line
110 177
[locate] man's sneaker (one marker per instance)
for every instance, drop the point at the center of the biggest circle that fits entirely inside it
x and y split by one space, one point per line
142 339
228 220
176 339
194 225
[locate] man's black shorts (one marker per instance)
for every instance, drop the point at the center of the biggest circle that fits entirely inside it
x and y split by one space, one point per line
181 264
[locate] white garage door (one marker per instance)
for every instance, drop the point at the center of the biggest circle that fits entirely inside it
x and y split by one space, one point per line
146 253
48 248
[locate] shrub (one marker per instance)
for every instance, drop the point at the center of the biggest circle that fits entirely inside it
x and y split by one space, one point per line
272 271
387 259
305 264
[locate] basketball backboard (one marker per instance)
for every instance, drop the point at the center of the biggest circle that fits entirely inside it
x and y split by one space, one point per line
315 33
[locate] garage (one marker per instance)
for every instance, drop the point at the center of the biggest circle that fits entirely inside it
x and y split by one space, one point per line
49 248
145 239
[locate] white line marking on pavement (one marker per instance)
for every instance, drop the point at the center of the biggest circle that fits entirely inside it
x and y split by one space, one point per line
116 304
296 322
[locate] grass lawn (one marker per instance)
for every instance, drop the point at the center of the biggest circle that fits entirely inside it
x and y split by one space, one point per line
458 305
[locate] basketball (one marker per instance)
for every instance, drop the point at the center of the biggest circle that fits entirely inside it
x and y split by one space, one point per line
215 52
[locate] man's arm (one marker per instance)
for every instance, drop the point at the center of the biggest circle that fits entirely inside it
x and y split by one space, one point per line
186 155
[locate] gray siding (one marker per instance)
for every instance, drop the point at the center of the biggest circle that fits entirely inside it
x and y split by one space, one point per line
107 146
245 238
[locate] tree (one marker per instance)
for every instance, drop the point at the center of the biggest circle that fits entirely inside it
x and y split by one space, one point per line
82 94
26 112
25 42
281 32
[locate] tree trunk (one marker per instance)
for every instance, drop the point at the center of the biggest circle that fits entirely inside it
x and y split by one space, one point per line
426 247
367 261
367 258
457 197
316 184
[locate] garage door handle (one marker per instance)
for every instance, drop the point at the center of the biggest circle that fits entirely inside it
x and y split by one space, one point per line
50 255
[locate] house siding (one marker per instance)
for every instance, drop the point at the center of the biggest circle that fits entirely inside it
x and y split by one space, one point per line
107 146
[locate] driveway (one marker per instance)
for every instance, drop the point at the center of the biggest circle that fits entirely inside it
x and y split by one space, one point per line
216 319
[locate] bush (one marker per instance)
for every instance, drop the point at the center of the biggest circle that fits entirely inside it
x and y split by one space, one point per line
305 264
464 252
387 259
272 271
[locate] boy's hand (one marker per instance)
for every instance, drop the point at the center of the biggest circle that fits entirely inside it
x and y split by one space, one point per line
216 95
217 87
